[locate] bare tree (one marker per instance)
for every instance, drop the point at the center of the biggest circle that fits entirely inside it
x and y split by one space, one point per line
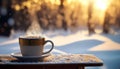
117 20
117 13
115 7
90 24
21 16
61 11
106 25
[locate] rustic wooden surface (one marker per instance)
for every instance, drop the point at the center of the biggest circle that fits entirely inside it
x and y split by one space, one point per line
86 59
60 61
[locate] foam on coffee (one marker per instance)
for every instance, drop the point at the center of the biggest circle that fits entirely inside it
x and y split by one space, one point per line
31 37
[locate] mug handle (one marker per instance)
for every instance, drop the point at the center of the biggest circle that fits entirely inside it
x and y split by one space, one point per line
51 47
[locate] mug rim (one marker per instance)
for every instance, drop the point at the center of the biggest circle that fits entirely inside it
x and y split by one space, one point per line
30 38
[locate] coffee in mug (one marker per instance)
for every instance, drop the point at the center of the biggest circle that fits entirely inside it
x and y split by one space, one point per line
33 45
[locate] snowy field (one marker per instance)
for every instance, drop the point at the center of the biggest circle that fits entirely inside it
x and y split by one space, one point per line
104 46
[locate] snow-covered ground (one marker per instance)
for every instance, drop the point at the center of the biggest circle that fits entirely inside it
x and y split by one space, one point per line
104 46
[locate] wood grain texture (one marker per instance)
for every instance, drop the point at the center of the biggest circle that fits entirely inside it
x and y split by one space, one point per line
70 61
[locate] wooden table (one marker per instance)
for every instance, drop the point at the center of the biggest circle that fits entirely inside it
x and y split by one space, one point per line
60 61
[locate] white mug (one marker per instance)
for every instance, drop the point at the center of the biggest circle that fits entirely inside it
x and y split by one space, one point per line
33 46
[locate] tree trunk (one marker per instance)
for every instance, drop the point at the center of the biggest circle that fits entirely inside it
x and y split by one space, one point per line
106 26
61 11
90 24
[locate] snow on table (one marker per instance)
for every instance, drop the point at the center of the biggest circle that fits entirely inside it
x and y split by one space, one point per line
83 59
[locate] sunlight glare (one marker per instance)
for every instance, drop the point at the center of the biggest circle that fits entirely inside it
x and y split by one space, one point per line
101 4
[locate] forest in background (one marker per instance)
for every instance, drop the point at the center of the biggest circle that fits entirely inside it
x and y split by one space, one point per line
59 14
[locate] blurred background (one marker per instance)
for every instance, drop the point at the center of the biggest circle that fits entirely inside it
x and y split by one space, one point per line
75 26
19 15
